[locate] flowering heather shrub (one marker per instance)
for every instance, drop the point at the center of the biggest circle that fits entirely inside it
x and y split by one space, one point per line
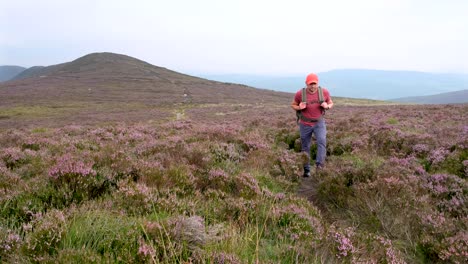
247 186
421 150
346 144
351 170
297 221
438 155
227 152
87 145
239 211
217 179
456 247
436 220
12 138
178 201
387 205
179 125
34 164
148 171
117 161
253 141
378 249
46 234
400 167
333 191
449 192
173 149
134 198
214 195
31 143
465 165
342 239
67 164
132 137
224 258
10 183
452 164
218 132
389 141
102 134
403 163
73 130
444 239
288 137
10 241
287 165
244 185
198 156
12 157
180 177
146 252
75 179
147 148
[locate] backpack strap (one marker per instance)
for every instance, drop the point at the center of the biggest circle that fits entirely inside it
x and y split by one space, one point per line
320 93
321 99
304 100
304 95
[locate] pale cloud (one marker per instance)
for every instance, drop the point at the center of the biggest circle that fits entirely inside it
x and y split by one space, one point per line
243 36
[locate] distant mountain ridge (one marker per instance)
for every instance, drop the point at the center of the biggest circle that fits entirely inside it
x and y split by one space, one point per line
103 69
104 64
110 77
356 83
458 97
9 72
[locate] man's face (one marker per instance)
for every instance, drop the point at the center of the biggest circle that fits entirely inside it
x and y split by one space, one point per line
312 86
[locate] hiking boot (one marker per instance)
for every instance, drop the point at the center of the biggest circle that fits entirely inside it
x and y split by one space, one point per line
306 174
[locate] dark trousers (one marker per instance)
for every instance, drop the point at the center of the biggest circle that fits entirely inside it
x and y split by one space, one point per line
320 131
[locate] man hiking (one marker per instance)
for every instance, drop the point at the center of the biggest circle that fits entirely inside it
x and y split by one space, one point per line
310 104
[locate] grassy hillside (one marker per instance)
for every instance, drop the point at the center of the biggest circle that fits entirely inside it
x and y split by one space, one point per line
221 184
108 87
100 78
58 114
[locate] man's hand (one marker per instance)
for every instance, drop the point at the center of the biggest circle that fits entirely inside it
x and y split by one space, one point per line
302 105
324 105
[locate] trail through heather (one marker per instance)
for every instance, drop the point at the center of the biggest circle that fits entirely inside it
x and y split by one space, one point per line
308 188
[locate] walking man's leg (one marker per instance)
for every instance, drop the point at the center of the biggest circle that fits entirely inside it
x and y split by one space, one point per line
306 135
320 130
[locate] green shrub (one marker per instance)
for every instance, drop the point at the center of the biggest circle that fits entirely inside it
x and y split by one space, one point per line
133 198
453 164
46 233
10 241
334 192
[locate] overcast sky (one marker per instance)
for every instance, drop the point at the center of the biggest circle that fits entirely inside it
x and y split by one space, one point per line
241 36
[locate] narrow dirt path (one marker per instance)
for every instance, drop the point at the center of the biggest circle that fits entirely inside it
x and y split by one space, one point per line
308 188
